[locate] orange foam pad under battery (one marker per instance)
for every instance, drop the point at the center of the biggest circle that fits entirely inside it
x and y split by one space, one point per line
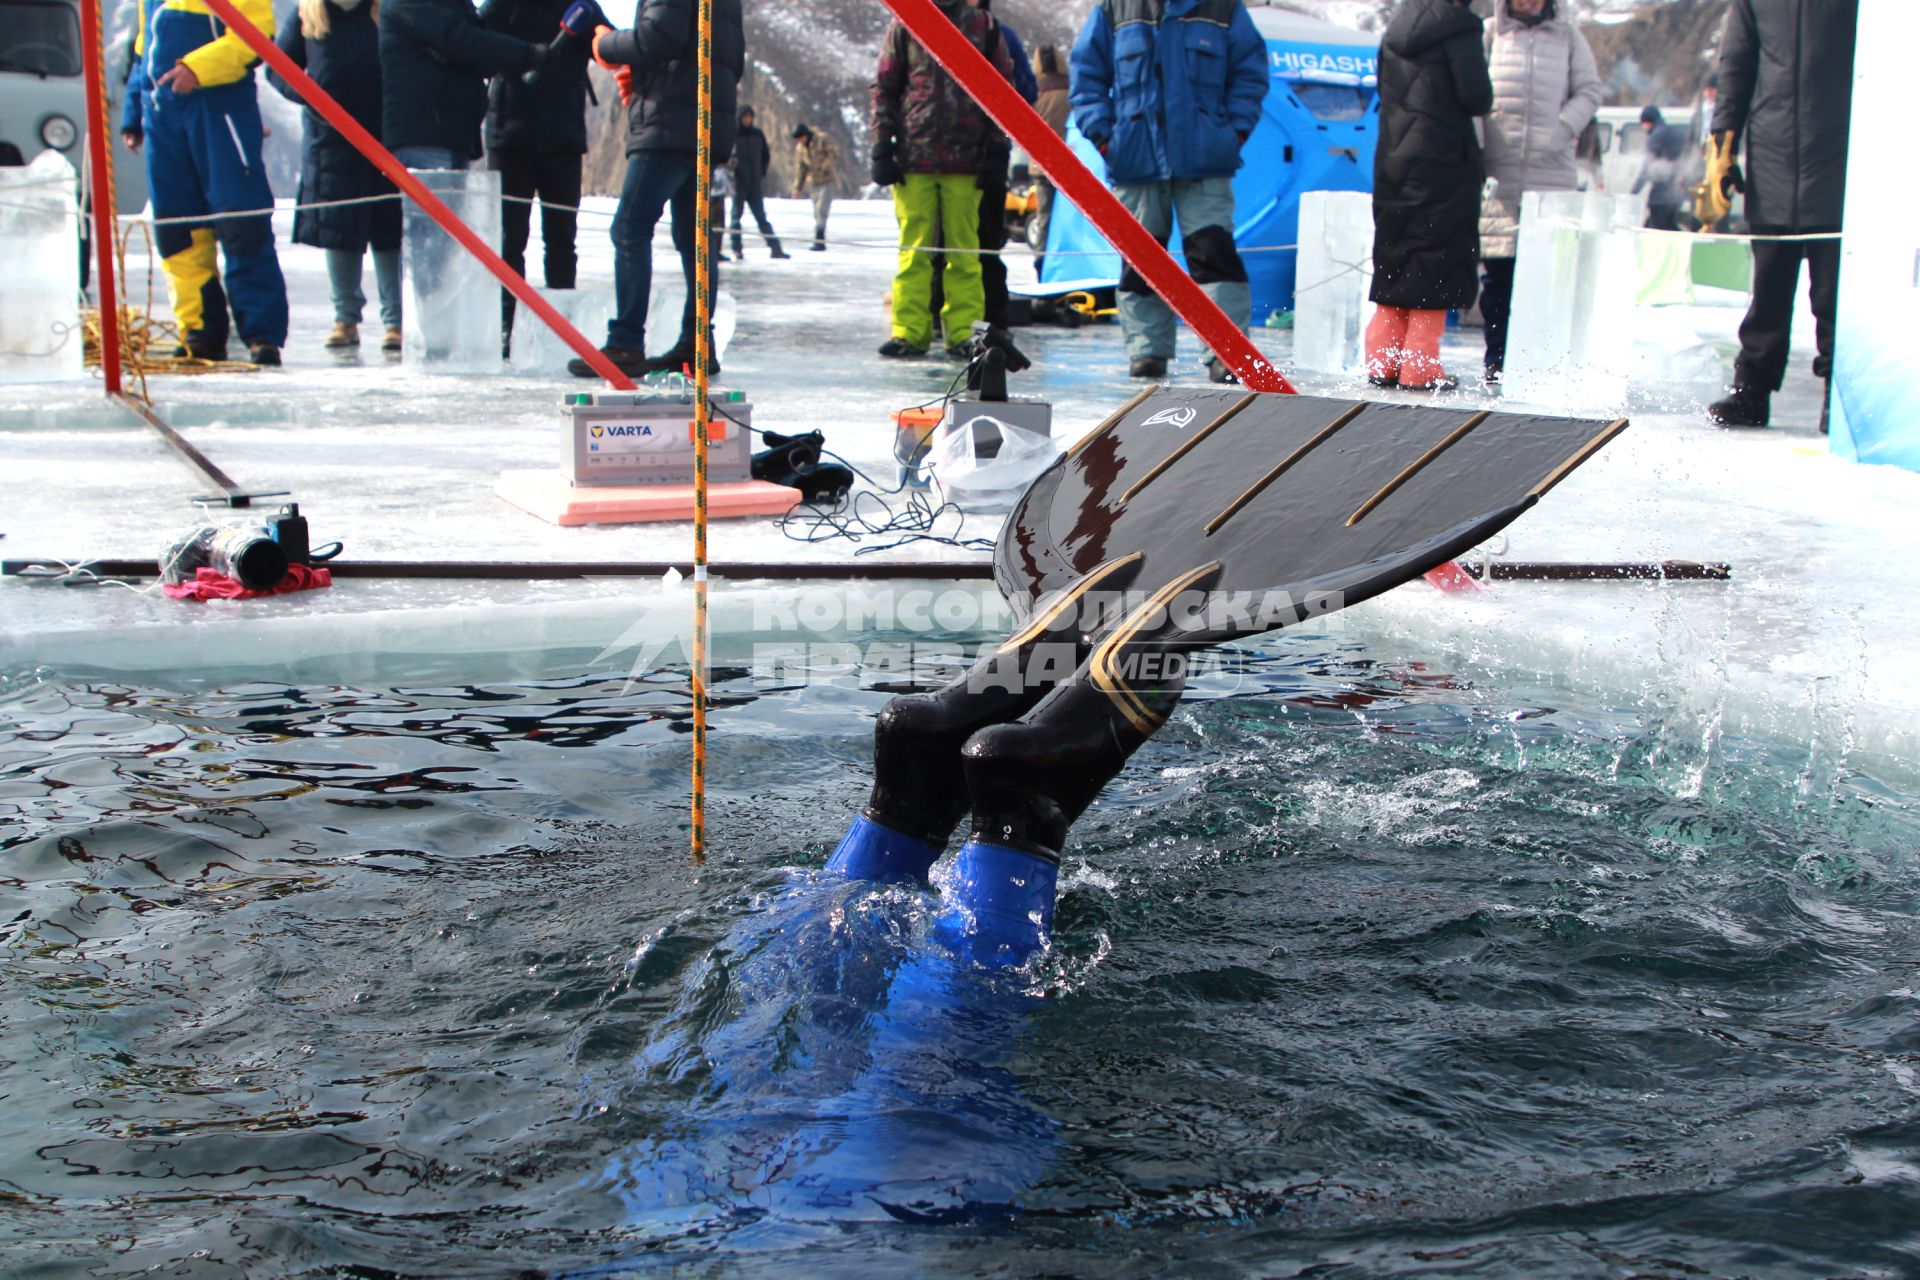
549 495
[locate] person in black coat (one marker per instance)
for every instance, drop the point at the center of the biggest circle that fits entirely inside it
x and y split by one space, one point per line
435 58
751 159
1786 88
657 65
1427 177
337 43
536 136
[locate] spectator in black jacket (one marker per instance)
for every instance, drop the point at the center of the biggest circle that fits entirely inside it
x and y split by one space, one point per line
1427 176
338 44
435 58
536 137
1786 88
1659 174
657 64
751 159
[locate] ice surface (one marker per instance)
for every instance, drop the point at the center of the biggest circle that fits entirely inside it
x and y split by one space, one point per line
453 302
1816 639
40 338
1330 298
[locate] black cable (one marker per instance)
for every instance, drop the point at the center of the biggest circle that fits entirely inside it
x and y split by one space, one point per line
847 519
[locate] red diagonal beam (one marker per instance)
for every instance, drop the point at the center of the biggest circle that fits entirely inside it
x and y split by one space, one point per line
99 163
952 50
336 115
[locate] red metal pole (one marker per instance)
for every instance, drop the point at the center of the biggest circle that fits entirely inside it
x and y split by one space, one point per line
320 100
100 187
997 98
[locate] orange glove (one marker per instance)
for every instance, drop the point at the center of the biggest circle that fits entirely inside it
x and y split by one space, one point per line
622 75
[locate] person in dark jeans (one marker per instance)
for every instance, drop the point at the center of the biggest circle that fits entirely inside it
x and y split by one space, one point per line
1794 113
536 137
751 159
661 140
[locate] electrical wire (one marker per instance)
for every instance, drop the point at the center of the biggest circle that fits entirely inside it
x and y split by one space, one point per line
862 516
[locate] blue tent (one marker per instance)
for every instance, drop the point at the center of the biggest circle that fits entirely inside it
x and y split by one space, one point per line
1316 133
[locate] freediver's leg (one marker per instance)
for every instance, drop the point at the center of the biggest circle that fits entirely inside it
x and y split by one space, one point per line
1028 781
919 789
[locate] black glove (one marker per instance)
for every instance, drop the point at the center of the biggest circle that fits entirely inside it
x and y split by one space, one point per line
538 56
1734 181
885 168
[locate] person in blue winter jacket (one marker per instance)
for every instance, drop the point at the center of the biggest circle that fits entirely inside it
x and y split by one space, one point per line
191 103
1169 91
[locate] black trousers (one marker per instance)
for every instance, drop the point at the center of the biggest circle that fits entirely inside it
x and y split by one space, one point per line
1767 332
756 203
1496 305
554 176
1663 217
993 271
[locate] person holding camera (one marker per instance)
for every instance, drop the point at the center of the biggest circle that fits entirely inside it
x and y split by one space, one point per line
930 143
435 57
536 135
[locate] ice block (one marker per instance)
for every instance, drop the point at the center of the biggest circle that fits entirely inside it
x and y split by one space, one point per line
40 336
537 348
1570 341
1330 292
453 302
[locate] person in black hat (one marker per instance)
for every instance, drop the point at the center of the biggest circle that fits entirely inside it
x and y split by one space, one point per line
1660 171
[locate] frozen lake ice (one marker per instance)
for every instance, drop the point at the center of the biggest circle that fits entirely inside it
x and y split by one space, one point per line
1812 641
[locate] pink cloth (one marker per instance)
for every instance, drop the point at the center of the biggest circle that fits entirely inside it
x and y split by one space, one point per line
208 585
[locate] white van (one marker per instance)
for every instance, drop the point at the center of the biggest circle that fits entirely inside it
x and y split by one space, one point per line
43 97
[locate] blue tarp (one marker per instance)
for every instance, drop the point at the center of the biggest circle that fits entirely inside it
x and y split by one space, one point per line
1317 133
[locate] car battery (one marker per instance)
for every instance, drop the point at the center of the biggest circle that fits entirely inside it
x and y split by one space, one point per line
646 437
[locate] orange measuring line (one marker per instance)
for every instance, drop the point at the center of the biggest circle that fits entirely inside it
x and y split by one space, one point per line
336 115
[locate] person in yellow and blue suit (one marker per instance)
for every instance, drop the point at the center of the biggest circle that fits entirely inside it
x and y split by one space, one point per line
191 100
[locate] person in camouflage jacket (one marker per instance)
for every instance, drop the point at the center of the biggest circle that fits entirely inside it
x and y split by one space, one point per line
816 172
929 142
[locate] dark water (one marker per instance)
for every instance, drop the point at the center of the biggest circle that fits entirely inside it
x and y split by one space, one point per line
1359 971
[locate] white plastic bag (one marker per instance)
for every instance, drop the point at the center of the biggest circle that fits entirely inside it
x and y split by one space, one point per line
973 480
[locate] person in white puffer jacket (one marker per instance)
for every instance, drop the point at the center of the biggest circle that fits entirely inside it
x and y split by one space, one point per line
1546 88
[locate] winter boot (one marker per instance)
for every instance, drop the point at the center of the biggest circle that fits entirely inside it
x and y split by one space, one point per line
392 342
680 356
342 336
778 252
629 360
1826 406
819 237
1147 367
900 349
1747 406
198 346
739 250
264 354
